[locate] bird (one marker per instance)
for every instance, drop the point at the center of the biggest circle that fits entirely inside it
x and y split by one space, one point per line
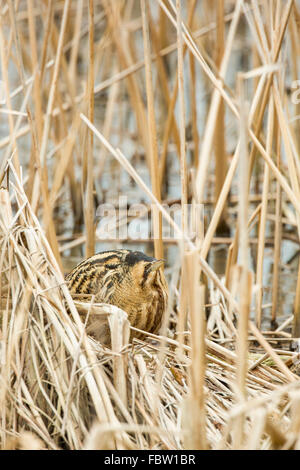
130 280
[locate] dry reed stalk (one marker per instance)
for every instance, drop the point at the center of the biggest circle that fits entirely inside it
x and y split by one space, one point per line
183 164
245 276
220 204
38 110
89 150
296 320
220 150
277 230
181 320
193 99
152 136
35 71
194 405
263 217
48 21
182 314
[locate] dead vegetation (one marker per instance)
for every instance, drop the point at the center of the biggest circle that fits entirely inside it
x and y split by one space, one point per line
100 99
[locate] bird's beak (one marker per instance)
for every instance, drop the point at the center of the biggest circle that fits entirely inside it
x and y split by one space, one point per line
155 265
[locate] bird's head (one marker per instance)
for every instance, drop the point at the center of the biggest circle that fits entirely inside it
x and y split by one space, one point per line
143 269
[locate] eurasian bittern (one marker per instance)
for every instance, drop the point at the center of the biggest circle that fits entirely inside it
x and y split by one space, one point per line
128 279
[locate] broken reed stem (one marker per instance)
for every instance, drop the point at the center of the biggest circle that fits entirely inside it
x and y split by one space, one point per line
152 137
89 212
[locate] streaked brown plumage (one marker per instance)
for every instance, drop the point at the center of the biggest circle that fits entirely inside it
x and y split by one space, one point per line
128 279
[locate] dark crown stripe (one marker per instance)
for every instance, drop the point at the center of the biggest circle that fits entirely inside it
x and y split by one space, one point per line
103 260
134 257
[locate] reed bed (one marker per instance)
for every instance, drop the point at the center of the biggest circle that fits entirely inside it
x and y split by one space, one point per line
193 103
